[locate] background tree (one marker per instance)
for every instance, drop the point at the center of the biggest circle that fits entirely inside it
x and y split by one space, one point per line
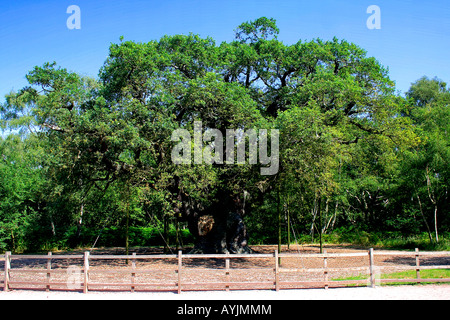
427 166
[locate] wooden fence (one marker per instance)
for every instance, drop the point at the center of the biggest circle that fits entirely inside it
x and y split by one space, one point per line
186 272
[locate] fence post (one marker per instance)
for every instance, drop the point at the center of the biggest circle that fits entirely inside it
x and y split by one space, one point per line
227 272
277 271
417 264
86 272
325 268
371 268
180 263
133 274
7 267
49 268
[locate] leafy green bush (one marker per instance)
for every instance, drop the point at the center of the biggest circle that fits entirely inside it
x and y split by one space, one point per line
108 237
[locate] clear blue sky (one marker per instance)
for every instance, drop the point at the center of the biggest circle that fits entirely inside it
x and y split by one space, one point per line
414 39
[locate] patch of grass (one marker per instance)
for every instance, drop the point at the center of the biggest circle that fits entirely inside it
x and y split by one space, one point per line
408 274
424 274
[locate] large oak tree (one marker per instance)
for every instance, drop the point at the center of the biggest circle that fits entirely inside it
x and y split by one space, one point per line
325 97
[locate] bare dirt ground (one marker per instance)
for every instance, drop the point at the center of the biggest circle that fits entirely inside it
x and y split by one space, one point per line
198 271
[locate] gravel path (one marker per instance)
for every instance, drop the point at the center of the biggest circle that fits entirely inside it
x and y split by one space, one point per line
417 292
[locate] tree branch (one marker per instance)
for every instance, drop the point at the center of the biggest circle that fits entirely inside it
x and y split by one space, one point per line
53 127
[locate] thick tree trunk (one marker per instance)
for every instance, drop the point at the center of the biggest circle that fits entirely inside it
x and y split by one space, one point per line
219 233
219 228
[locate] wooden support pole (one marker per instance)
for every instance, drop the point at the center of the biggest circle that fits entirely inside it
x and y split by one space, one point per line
7 267
277 271
133 274
227 272
371 268
325 269
417 264
86 272
180 264
49 268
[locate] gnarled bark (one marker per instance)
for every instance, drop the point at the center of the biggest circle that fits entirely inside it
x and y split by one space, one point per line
219 228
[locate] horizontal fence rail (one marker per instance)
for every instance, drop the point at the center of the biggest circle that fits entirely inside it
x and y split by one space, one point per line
189 272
